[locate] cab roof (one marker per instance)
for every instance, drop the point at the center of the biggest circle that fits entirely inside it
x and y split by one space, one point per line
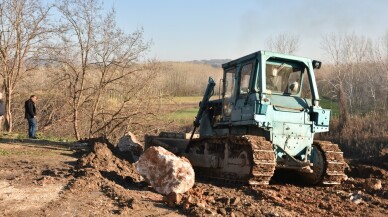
256 55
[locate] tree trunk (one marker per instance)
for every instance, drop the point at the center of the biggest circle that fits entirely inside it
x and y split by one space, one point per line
75 124
343 108
94 113
8 114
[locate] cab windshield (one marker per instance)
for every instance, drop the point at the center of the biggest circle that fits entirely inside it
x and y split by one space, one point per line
283 77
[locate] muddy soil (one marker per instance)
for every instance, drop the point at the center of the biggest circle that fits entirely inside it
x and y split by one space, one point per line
95 180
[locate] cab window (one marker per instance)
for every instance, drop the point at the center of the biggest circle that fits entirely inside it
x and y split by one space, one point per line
229 89
229 82
283 77
246 72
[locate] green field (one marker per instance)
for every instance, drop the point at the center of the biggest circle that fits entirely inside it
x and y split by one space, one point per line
330 104
183 116
186 99
186 115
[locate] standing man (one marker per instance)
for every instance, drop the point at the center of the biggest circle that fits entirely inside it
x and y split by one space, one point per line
30 113
2 110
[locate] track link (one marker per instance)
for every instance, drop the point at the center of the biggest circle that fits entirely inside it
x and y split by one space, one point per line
263 159
334 161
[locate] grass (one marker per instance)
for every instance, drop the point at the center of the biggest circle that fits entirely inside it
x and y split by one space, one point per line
186 99
187 115
187 108
330 104
42 152
183 116
41 136
190 99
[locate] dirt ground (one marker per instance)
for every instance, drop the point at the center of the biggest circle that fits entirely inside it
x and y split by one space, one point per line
52 179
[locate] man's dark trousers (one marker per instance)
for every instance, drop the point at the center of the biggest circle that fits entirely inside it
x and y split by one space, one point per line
32 127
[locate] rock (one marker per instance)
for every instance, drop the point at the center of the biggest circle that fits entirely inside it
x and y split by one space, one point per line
237 214
173 198
186 205
222 211
44 180
190 199
210 199
210 212
224 200
135 204
201 203
165 172
129 143
372 184
356 197
235 201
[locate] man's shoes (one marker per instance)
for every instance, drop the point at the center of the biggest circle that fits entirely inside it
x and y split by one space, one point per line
34 137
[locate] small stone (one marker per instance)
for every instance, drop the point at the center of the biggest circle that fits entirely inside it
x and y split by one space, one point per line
224 200
238 214
134 204
373 184
210 212
190 199
222 211
201 204
235 201
210 199
274 214
173 198
356 197
186 205
129 143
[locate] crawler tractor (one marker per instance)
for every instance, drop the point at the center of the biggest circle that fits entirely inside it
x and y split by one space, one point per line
265 118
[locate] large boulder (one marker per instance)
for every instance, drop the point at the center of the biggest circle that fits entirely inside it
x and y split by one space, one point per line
129 145
165 172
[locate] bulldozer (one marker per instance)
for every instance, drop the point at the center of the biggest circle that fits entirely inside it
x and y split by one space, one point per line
264 118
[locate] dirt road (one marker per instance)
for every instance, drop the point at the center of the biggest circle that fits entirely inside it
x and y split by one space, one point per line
50 179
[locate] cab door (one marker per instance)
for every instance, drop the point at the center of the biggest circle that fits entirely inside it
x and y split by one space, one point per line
229 94
244 104
237 105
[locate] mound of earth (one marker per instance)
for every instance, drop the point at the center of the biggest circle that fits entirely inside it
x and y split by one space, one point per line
97 180
103 169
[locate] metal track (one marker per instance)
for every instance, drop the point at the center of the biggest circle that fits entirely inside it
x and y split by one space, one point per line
334 162
262 160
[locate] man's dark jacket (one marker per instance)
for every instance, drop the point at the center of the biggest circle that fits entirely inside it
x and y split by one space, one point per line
2 108
29 108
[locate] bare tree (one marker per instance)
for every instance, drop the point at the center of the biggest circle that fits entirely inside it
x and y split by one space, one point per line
344 115
283 43
115 55
81 19
340 49
377 81
95 57
23 25
357 71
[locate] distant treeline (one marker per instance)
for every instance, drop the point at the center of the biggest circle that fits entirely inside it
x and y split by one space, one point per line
187 79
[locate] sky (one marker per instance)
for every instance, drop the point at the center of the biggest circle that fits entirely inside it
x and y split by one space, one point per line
184 30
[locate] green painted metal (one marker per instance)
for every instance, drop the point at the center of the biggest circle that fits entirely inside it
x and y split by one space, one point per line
283 117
